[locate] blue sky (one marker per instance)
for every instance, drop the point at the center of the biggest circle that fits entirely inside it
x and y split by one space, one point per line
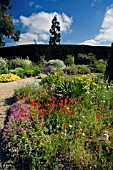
82 21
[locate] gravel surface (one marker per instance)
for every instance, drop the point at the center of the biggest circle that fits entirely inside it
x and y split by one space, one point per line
6 93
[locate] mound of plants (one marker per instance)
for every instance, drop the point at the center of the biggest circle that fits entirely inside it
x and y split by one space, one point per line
9 77
50 131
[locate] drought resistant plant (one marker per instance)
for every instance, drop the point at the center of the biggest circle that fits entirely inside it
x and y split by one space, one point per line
100 66
69 61
56 64
3 64
82 69
8 77
18 62
61 131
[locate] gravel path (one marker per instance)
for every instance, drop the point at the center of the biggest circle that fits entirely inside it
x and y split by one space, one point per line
6 93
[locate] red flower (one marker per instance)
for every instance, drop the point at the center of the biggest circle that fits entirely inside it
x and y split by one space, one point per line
81 130
58 133
42 125
97 116
61 103
97 149
30 139
97 103
60 111
65 126
78 135
68 113
42 117
47 104
73 111
101 109
22 115
53 98
78 119
49 99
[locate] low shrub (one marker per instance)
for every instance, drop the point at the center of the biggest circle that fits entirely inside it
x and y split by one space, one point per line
8 77
3 64
18 62
69 61
100 66
56 64
86 59
82 69
71 70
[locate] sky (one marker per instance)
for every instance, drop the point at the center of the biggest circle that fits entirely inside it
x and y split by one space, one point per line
88 22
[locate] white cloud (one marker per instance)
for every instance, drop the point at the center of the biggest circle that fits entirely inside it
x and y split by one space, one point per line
38 24
15 21
105 36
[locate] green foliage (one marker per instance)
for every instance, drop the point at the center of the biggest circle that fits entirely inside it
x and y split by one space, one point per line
42 61
56 64
6 23
51 80
82 69
100 66
47 131
18 62
71 70
3 64
55 32
86 58
69 61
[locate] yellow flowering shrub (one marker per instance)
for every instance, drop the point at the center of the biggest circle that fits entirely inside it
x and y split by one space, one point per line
8 77
86 82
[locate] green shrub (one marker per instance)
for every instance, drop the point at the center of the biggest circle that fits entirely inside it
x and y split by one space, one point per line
71 70
29 73
3 64
69 61
42 61
21 74
100 66
56 64
86 58
23 63
82 69
51 80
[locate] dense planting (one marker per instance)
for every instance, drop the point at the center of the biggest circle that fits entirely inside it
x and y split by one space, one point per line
61 124
8 77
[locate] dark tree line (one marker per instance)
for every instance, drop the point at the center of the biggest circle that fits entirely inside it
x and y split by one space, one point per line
109 67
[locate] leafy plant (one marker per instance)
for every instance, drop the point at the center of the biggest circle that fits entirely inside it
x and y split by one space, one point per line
82 69
100 66
56 64
86 58
18 62
3 64
69 61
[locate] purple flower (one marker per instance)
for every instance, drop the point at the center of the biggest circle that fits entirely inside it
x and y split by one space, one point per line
15 123
47 70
